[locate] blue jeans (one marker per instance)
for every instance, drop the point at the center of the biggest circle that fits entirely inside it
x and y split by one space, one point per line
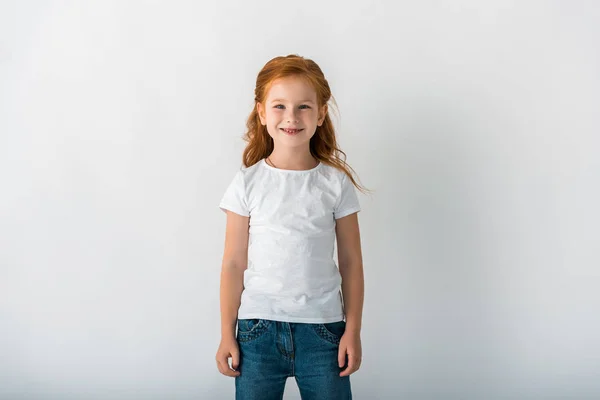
272 351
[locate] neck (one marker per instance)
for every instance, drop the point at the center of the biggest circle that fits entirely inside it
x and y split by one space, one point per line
292 160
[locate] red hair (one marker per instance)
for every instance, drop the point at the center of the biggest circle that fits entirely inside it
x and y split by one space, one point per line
323 144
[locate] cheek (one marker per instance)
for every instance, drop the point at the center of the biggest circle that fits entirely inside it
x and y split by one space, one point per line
272 115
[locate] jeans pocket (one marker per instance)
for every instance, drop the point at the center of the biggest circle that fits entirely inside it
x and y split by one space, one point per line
332 332
250 329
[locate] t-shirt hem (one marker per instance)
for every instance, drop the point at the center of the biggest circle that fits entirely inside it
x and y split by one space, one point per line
346 212
236 210
285 318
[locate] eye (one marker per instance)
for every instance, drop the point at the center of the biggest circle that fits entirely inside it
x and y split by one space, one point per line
281 105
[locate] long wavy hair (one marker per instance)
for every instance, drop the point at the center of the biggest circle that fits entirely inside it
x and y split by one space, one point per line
323 144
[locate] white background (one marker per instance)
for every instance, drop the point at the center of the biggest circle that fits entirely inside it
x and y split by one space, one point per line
476 123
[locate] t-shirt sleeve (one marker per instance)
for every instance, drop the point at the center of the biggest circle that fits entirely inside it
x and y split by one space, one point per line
234 198
348 201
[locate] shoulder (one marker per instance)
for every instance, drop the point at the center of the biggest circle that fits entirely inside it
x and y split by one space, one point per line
243 173
335 177
242 178
331 172
247 174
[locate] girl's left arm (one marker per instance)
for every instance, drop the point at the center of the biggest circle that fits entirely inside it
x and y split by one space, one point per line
351 269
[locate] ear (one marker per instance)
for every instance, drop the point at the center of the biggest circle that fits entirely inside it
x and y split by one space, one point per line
261 113
322 115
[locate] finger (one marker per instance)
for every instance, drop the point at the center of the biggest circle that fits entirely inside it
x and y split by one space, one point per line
220 367
349 369
342 356
353 364
235 359
223 366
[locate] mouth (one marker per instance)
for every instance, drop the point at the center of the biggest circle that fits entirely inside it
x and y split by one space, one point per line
291 131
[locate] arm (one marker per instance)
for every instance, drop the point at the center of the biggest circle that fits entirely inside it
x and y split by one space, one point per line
351 269
235 260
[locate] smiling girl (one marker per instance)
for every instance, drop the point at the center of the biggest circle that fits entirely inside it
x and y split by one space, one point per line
297 313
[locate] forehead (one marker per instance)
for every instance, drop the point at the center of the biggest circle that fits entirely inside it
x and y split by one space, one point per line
292 89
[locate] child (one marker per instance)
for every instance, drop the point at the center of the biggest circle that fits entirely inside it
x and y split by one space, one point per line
279 282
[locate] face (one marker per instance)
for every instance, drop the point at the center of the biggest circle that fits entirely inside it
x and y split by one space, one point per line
291 112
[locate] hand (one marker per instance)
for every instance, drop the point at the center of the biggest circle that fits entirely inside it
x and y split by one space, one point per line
228 348
350 345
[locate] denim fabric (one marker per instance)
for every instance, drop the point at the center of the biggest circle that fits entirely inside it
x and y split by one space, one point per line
272 351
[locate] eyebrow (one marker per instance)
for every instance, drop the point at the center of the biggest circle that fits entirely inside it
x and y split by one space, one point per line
282 100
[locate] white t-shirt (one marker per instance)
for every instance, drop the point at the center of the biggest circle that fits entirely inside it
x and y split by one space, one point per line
291 274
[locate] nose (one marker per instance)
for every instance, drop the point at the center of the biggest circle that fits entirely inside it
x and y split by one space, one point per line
291 117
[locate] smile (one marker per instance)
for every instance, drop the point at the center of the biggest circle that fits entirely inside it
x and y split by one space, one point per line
291 131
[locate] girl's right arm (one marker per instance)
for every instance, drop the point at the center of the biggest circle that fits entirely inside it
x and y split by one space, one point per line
235 260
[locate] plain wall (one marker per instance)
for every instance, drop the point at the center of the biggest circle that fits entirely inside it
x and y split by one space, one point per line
475 123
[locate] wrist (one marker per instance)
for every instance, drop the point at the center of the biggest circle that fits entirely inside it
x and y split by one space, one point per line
228 330
353 327
227 334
